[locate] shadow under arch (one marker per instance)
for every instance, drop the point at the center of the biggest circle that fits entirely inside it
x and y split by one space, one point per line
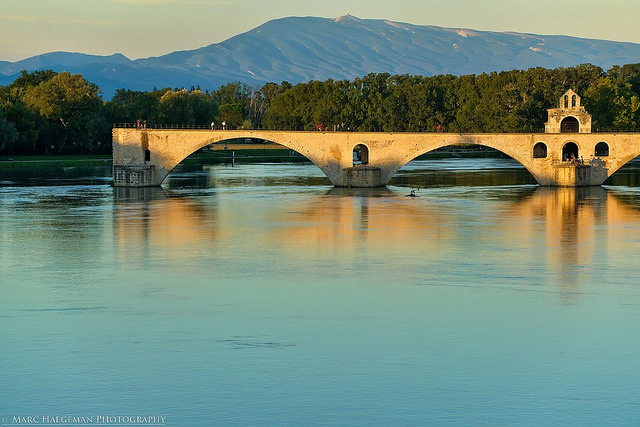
495 173
232 150
170 147
628 174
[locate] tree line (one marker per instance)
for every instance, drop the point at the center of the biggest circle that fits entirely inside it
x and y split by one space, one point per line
45 112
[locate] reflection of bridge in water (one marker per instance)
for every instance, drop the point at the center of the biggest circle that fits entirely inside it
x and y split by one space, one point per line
555 227
566 154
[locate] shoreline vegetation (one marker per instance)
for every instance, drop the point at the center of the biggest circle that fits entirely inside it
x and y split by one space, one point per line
50 113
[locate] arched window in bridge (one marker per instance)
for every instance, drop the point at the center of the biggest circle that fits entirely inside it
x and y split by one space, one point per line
147 155
602 149
566 101
569 125
570 151
573 101
540 150
360 155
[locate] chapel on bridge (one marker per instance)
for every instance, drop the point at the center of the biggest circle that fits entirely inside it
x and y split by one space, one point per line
570 117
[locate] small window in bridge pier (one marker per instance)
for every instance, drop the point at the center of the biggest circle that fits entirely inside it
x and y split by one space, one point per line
602 149
147 155
360 155
540 151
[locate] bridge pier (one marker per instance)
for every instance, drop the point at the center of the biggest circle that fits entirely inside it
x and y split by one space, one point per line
134 175
569 175
362 177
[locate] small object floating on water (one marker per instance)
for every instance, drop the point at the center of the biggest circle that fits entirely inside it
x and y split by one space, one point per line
413 193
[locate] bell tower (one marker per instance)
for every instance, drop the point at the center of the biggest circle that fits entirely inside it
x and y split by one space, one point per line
569 117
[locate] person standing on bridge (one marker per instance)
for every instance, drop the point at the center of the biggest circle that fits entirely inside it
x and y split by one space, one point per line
213 125
224 125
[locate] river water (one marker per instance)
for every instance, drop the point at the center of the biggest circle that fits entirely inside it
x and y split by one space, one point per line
260 295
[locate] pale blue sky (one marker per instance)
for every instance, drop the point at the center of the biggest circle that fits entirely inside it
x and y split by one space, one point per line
143 28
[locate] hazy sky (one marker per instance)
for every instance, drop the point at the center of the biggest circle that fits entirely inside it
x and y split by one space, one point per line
143 28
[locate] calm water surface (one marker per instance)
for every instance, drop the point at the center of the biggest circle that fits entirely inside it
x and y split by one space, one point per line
260 295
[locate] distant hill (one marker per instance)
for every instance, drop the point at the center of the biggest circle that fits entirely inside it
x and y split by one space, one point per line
299 49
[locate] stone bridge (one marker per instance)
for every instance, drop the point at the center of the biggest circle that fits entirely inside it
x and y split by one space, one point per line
566 154
144 157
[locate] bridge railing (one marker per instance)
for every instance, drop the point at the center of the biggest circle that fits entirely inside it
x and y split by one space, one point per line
217 126
615 130
158 126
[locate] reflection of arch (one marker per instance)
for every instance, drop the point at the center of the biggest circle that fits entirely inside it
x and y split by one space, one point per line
360 155
569 125
602 149
569 149
540 150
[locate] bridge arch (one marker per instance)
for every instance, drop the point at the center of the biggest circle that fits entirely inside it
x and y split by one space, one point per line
227 140
499 142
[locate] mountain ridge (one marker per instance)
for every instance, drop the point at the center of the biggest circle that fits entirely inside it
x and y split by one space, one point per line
298 49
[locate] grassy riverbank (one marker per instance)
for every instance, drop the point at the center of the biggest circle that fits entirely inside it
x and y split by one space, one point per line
21 162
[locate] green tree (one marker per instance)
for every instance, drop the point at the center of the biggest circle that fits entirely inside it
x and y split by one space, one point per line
577 78
8 133
236 101
128 106
27 123
509 101
187 107
613 104
16 91
73 102
231 115
468 116
261 101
